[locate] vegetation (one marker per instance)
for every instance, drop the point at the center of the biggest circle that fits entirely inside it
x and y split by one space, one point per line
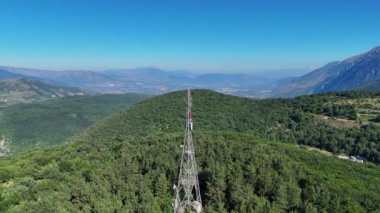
53 121
129 162
238 173
361 107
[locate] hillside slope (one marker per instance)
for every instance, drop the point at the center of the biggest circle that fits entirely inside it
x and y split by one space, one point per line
130 162
13 91
348 74
49 122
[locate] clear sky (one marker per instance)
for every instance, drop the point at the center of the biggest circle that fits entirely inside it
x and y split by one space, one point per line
198 35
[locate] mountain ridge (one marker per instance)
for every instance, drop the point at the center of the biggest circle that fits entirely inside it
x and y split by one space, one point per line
345 75
20 90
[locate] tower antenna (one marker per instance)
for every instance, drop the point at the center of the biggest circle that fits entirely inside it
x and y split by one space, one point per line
188 194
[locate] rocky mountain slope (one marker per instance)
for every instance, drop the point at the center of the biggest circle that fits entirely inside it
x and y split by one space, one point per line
13 91
350 74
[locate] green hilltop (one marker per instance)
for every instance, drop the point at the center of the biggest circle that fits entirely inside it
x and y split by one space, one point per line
247 156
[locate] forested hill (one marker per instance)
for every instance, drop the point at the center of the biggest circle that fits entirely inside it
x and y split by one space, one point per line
49 122
338 122
129 162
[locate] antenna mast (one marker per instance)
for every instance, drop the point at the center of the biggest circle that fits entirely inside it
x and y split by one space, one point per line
187 191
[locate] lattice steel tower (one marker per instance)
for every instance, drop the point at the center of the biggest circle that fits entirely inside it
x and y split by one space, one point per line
188 194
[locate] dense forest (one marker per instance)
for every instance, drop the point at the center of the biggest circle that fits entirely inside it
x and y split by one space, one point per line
247 154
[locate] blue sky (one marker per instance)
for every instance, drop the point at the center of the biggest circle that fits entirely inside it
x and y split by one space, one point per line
198 35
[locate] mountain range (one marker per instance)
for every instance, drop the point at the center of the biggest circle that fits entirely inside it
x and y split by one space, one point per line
355 73
148 80
358 72
9 75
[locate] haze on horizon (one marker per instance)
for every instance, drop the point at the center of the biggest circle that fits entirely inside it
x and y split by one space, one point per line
214 36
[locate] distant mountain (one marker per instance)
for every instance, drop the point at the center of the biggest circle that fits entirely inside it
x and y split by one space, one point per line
146 74
88 80
349 74
158 76
154 80
78 77
11 73
149 75
150 80
241 80
13 91
8 75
